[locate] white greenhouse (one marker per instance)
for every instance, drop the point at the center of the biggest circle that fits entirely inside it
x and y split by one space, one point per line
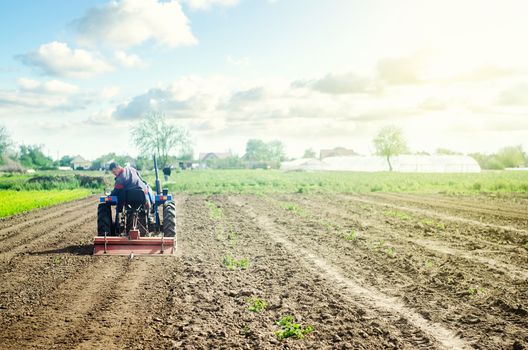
405 163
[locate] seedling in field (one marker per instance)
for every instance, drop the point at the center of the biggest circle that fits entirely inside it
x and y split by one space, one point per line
474 291
231 263
215 212
294 208
397 214
433 223
57 260
429 264
390 251
351 236
291 329
257 305
232 236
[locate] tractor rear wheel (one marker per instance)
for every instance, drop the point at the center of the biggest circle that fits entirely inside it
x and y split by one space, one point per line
169 219
104 220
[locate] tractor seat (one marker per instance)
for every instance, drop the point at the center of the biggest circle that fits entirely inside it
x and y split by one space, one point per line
135 198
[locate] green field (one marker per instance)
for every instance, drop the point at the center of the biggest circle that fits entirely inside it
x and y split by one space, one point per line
270 181
14 202
25 192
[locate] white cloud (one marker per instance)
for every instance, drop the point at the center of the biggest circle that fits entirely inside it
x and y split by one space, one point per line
50 87
242 61
128 60
110 92
206 4
127 23
57 59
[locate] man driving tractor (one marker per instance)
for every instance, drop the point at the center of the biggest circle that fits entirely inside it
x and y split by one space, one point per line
127 179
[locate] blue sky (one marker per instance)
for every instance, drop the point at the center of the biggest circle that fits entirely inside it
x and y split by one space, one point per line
77 75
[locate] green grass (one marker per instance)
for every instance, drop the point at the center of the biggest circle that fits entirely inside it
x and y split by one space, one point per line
14 202
275 181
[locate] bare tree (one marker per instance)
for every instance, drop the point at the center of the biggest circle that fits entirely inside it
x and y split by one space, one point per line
155 136
390 142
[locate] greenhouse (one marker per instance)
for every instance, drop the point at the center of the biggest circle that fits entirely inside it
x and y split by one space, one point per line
404 163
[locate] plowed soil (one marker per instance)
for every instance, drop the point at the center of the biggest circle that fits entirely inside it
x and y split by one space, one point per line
381 271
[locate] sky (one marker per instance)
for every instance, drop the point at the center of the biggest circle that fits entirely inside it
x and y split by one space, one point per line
77 76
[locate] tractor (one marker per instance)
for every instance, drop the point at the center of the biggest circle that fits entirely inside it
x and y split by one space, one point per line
135 230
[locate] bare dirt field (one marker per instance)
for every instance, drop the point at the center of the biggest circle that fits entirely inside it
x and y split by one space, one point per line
380 271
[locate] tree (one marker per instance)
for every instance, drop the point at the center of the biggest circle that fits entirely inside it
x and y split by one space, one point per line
155 136
5 141
309 153
511 157
65 161
390 142
258 150
33 157
447 152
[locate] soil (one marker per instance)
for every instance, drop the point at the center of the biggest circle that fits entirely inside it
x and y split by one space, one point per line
380 271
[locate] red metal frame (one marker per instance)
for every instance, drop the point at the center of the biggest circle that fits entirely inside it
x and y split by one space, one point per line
110 245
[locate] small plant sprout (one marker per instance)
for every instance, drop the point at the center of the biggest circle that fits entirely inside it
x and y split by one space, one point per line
397 214
257 305
291 329
231 263
215 212
474 291
351 235
429 264
390 251
433 223
232 236
294 208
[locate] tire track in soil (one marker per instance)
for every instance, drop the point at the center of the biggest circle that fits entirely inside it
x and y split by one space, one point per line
518 235
391 309
495 310
441 247
53 213
207 304
34 235
105 304
457 205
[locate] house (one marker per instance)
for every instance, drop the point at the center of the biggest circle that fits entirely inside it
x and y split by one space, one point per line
205 157
337 152
79 163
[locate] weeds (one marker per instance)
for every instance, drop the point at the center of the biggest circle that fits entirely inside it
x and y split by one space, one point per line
231 263
257 305
291 329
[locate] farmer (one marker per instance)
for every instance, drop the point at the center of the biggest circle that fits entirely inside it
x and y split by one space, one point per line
167 172
128 178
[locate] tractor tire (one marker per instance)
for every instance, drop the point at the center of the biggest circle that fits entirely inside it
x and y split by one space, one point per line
104 220
169 219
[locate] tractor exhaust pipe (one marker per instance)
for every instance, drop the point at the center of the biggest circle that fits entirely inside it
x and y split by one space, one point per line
158 184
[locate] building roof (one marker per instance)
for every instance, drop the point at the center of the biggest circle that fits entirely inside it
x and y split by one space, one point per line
214 155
